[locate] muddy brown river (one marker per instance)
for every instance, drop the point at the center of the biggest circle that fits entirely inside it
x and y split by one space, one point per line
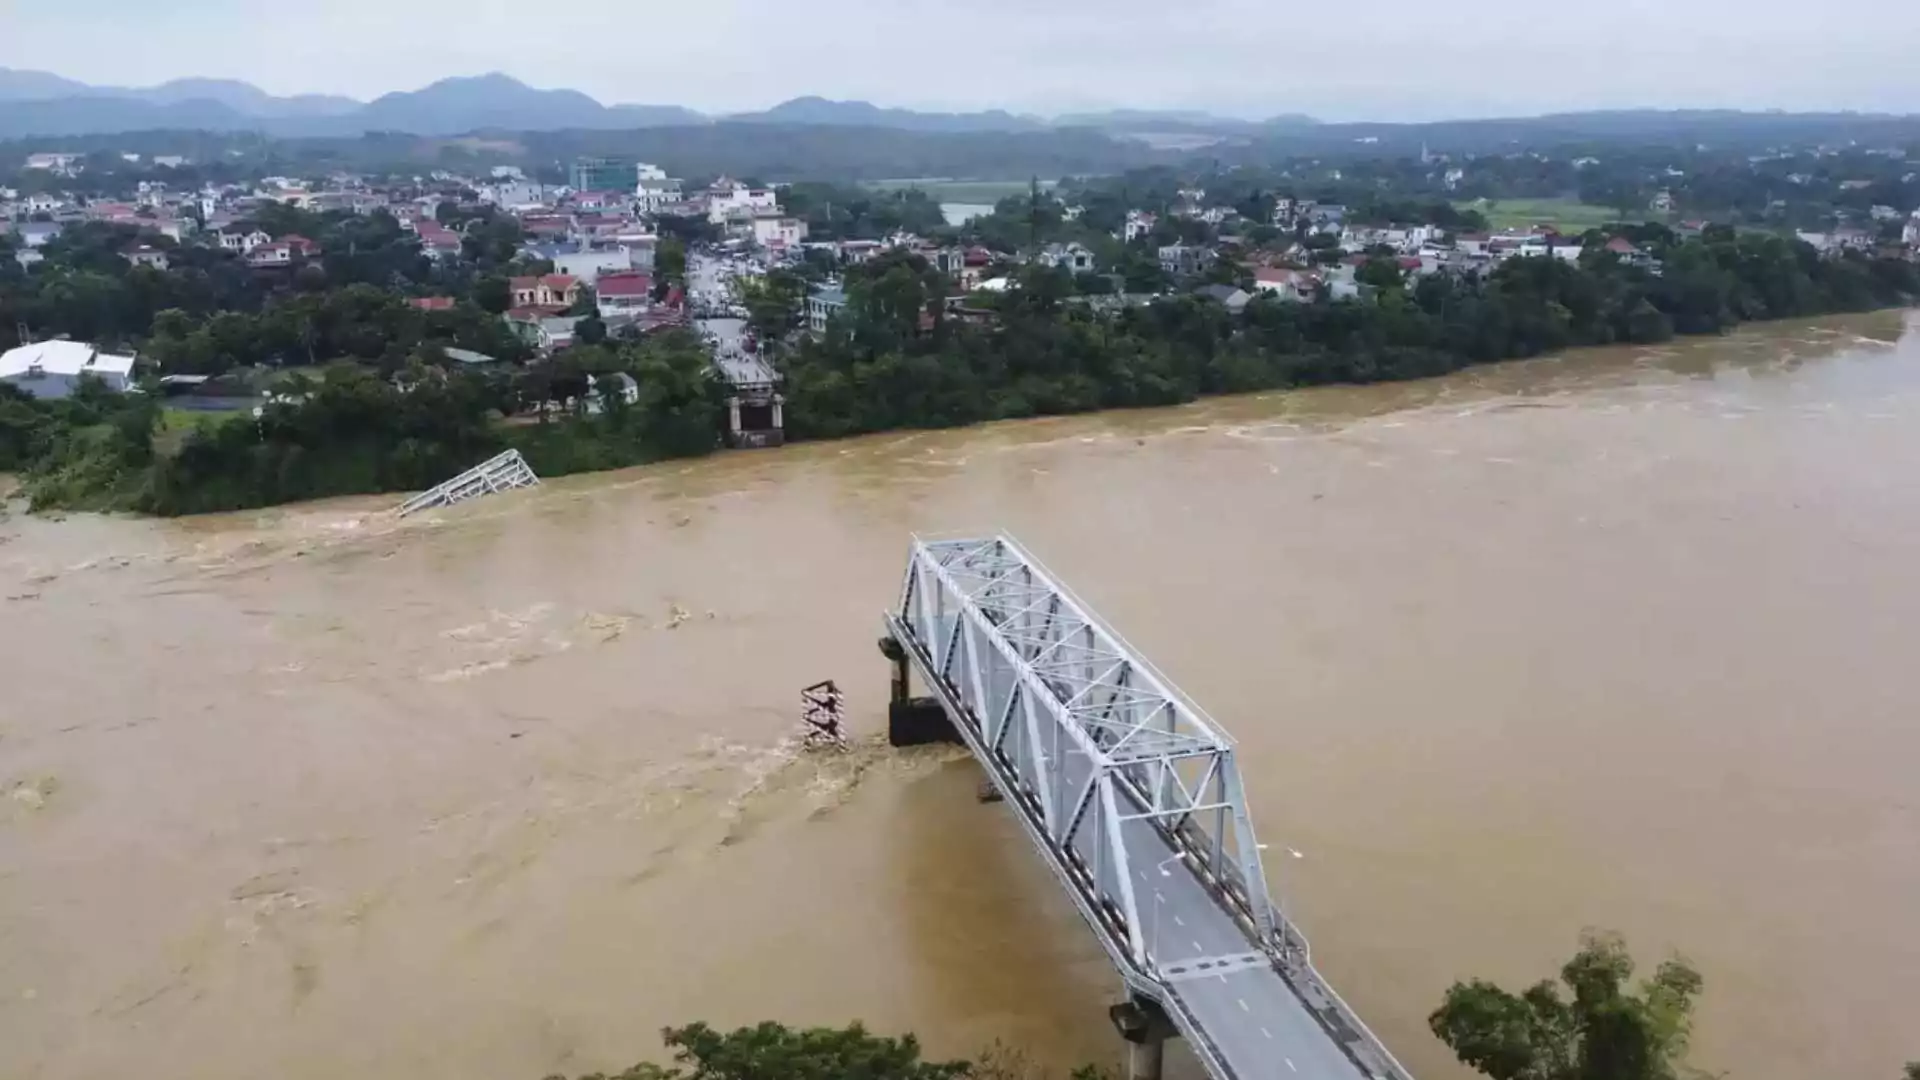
1625 639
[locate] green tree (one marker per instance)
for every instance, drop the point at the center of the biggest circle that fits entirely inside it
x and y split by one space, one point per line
1606 1031
670 260
770 1051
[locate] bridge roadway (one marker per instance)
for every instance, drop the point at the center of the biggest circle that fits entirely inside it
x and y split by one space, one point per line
1190 951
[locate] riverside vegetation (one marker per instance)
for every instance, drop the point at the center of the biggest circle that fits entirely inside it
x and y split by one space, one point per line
1608 1029
403 417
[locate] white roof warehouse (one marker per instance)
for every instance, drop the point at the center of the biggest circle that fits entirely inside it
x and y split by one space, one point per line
53 369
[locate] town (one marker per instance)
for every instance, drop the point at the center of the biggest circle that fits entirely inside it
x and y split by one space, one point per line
220 294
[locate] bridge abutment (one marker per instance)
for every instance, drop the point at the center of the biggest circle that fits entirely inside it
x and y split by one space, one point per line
1146 1028
913 721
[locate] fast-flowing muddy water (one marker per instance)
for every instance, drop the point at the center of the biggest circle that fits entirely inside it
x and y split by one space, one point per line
1622 639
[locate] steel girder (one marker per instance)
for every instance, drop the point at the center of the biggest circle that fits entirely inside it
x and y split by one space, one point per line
1092 734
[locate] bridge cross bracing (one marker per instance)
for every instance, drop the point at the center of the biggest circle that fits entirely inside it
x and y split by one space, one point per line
1134 796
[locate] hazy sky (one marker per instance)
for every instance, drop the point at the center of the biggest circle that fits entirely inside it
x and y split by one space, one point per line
1382 59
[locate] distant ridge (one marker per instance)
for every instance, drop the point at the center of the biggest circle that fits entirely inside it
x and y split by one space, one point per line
43 103
37 104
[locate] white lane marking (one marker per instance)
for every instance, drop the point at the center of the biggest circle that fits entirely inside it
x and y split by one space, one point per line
1198 949
1267 1033
1178 921
1243 1004
1292 1066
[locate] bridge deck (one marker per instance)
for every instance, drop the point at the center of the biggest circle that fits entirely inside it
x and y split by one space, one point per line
1181 927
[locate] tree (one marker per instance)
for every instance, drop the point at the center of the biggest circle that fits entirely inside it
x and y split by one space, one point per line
670 260
590 330
1606 1032
493 294
771 1051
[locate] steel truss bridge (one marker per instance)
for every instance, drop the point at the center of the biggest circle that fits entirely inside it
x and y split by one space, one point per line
1134 798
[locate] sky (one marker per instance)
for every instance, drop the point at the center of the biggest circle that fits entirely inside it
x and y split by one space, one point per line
1382 60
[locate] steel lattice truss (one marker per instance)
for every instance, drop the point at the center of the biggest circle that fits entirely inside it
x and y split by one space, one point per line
1092 736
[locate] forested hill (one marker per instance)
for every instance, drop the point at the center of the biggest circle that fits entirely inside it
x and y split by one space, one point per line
814 151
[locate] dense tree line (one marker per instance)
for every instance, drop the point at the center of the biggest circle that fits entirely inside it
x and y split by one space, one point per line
897 358
347 430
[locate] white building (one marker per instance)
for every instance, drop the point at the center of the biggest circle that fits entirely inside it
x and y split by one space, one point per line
654 192
1139 223
774 231
590 264
53 369
728 199
62 164
517 195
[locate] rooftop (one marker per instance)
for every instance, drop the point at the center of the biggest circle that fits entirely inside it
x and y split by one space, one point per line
62 358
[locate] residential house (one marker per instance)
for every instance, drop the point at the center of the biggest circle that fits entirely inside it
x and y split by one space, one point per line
597 200
654 193
1911 234
948 260
1661 203
555 291
286 251
169 161
1285 283
1139 224
1074 257
28 257
437 242
1182 260
624 293
1234 300
36 234
776 232
1627 251
54 369
146 255
476 361
517 195
431 303
728 199
243 241
823 303
59 164
541 329
589 263
855 252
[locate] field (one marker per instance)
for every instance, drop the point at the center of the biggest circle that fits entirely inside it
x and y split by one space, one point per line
1568 215
985 192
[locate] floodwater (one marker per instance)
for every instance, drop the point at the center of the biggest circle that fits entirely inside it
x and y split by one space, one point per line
1624 639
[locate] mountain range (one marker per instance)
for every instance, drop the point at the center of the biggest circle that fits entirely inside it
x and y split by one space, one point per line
45 104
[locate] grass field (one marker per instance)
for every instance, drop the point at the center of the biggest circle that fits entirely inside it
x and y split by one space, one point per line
960 191
1568 215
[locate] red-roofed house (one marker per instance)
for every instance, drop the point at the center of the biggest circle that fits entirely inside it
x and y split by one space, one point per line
286 251
437 242
301 247
1284 283
551 290
623 294
432 303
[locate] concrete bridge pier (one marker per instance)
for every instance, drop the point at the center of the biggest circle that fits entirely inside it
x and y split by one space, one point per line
1146 1028
913 721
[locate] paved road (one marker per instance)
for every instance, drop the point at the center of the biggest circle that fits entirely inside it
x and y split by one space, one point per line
1255 1020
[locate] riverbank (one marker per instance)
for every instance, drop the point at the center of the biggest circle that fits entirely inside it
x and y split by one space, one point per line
357 434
